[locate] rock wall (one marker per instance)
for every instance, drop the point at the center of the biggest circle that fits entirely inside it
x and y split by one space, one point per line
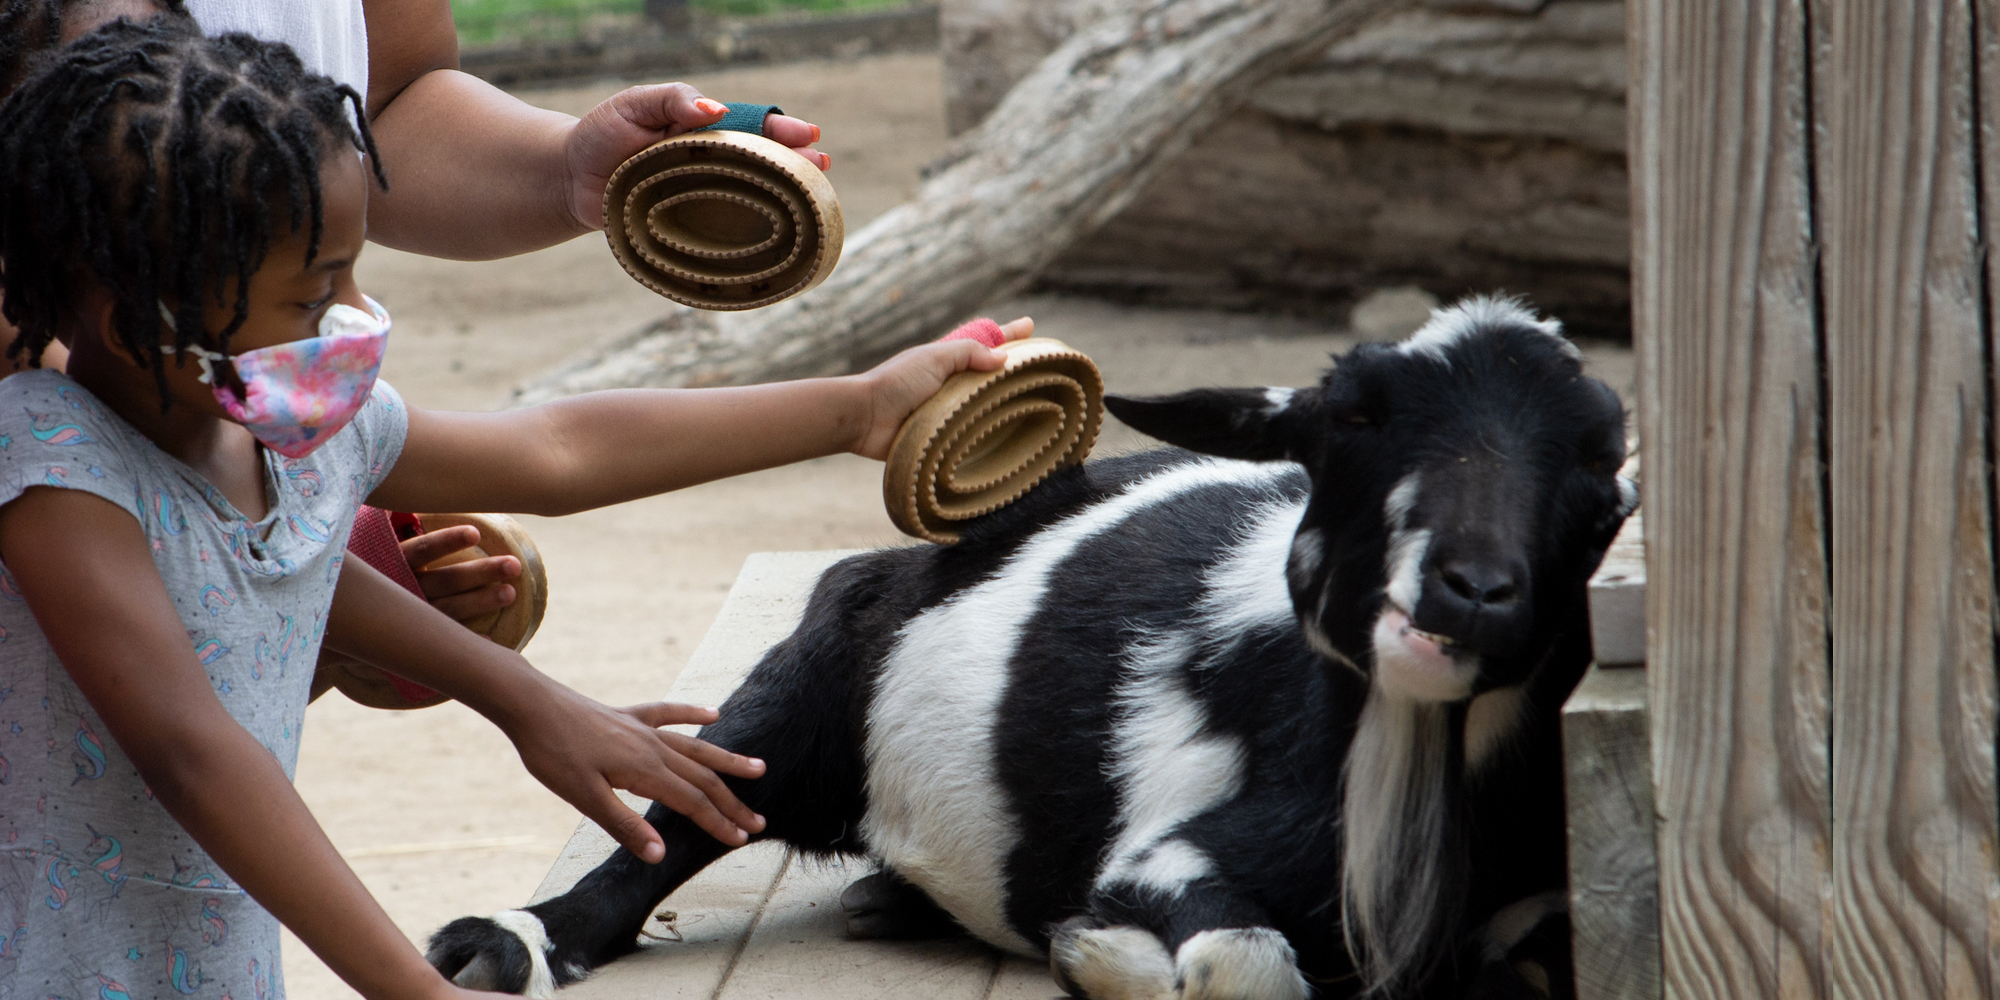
1457 150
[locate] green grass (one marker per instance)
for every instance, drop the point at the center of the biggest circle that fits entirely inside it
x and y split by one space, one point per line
758 8
486 22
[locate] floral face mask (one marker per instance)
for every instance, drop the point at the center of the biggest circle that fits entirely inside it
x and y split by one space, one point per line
299 394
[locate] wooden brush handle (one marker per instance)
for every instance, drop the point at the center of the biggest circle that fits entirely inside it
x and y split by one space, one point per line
723 220
987 438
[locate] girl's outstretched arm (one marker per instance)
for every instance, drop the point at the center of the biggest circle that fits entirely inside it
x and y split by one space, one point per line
84 567
608 447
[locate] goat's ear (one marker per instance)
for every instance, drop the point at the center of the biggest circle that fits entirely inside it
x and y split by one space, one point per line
1254 424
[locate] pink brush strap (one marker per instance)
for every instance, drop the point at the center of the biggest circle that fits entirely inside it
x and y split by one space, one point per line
982 329
374 540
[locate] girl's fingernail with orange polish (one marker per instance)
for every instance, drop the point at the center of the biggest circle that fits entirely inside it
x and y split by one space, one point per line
708 107
815 133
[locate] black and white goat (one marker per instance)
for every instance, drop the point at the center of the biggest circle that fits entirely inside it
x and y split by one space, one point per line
1274 720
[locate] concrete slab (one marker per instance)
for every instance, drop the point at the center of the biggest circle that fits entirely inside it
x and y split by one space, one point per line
763 923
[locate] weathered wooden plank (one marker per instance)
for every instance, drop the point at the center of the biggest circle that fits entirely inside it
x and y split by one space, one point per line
799 949
1986 61
1618 599
1017 978
714 915
1915 827
1614 885
1723 290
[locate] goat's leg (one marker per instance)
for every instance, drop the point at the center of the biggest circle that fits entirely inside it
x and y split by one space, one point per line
884 907
1100 961
798 711
1524 953
1202 940
557 942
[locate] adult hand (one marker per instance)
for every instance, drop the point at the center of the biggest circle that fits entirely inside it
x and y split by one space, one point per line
637 117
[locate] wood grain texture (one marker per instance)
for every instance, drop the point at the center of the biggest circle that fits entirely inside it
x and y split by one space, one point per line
1618 598
1614 869
1914 880
1723 294
1986 83
1069 148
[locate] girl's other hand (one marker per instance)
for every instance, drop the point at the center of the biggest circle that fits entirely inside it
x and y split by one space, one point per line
898 386
582 750
637 117
462 590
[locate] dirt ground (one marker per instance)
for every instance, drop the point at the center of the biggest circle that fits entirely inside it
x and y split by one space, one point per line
432 807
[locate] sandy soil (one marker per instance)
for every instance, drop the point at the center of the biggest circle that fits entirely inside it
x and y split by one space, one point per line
432 807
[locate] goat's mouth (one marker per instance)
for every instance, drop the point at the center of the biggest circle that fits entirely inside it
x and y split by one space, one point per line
1420 665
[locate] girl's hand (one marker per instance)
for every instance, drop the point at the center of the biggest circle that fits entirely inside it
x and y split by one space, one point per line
637 117
581 750
898 386
462 590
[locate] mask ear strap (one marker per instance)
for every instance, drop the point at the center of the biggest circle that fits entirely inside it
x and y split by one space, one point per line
202 355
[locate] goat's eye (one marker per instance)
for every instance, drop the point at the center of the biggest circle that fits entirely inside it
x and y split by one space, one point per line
1602 461
1355 416
1601 452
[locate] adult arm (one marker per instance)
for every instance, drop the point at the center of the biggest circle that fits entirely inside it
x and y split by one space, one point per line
574 746
85 570
476 173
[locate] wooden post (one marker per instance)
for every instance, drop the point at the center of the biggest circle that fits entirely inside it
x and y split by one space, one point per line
1914 831
1608 788
1613 873
1729 407
1823 676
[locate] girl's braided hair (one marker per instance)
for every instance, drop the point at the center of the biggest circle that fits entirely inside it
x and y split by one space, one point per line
157 163
30 28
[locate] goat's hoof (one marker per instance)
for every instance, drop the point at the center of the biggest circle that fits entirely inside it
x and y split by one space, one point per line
884 907
1240 963
1110 963
507 953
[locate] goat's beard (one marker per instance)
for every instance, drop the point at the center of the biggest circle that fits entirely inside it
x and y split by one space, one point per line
1402 859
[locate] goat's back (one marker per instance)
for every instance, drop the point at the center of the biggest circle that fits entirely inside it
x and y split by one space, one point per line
1064 699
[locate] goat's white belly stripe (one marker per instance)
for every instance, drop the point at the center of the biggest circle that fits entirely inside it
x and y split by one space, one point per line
936 810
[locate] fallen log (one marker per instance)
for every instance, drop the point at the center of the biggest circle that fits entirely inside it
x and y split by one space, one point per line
1456 146
1068 148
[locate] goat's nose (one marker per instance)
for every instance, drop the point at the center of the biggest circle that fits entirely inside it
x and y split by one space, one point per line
1487 584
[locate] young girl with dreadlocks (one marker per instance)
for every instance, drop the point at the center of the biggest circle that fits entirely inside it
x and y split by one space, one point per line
186 213
476 165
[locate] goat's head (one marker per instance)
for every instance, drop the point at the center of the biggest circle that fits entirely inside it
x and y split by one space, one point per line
1465 484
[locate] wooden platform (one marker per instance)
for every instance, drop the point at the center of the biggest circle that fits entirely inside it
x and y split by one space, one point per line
762 924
